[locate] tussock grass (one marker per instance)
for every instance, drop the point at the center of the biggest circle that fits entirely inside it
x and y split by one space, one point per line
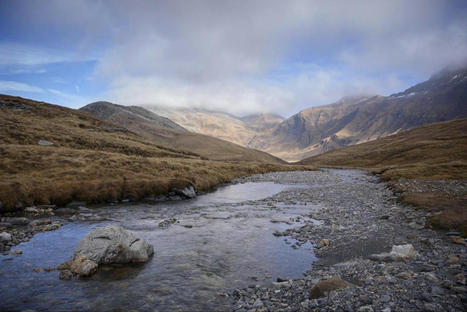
93 160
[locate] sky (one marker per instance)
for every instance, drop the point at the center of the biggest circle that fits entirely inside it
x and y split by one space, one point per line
241 57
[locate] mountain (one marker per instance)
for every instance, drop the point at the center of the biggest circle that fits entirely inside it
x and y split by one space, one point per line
351 120
262 122
219 124
165 132
354 120
311 130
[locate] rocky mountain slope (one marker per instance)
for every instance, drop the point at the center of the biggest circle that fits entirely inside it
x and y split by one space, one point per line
167 133
360 119
219 124
349 121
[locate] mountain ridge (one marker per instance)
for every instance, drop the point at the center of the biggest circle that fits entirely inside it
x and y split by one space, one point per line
348 121
165 132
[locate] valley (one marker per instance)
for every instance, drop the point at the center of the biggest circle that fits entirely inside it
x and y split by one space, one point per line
351 120
241 156
212 208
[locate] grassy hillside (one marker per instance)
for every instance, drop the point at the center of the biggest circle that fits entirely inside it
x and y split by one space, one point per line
52 154
148 125
433 152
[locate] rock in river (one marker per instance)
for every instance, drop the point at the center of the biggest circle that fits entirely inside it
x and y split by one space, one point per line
105 245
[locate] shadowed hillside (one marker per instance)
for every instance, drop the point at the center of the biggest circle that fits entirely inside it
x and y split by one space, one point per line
52 155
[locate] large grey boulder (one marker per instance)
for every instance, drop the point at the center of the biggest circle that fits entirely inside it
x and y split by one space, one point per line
106 245
113 244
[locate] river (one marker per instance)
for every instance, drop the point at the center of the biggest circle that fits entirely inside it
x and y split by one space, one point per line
221 241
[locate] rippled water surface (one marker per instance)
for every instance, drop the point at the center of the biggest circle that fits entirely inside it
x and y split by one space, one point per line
222 241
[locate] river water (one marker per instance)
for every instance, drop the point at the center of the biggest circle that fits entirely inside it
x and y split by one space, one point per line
221 241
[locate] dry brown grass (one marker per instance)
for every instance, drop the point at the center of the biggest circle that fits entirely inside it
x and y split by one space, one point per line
433 152
94 161
451 212
36 175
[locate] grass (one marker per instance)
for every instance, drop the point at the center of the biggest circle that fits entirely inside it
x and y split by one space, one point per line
93 160
450 212
432 152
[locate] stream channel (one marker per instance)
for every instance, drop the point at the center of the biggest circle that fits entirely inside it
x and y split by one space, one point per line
221 241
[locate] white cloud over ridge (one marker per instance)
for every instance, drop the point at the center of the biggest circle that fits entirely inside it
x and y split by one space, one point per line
231 55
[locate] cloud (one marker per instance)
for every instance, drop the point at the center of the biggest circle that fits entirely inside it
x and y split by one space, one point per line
220 54
50 95
230 96
424 52
68 99
27 70
14 86
21 54
324 86
231 55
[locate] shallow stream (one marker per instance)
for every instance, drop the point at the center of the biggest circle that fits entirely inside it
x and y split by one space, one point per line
221 241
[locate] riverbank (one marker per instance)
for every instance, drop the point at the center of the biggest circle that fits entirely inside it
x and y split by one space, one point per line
53 155
362 216
22 223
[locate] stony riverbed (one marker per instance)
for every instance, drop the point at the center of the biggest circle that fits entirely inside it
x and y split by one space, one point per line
361 216
247 247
